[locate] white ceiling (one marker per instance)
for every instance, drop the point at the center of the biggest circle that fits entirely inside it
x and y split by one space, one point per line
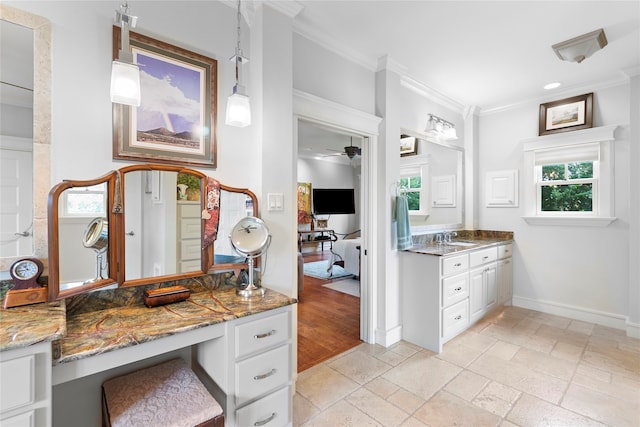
487 54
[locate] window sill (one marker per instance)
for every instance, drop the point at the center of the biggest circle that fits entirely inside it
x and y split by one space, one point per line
572 221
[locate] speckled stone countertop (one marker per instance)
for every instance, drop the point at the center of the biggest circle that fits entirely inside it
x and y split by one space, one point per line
31 324
470 239
107 320
98 332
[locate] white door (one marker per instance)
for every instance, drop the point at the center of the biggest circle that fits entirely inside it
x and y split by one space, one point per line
16 200
133 224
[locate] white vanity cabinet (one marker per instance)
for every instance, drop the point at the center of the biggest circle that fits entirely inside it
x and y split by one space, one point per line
505 274
483 282
441 296
189 236
252 369
25 386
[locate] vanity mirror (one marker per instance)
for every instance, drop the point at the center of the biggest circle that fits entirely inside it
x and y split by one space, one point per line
82 246
441 170
157 218
25 104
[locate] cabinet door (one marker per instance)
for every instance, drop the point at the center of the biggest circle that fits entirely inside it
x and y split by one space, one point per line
505 281
491 282
476 294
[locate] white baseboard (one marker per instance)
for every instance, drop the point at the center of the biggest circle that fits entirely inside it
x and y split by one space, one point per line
389 337
577 313
633 329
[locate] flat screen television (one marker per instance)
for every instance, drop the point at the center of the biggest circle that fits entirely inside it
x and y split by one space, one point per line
331 201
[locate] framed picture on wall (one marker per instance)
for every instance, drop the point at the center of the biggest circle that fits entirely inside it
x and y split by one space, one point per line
176 120
408 146
566 115
305 215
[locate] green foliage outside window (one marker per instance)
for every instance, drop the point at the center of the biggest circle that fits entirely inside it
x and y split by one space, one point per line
411 187
566 196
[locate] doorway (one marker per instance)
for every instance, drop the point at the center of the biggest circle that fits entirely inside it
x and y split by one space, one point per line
329 163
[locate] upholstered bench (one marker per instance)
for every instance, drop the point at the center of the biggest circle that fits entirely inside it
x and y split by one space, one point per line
168 395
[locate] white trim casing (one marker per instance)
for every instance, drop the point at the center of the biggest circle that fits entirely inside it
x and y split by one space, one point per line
333 115
604 136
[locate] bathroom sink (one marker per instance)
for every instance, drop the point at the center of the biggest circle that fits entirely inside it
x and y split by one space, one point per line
464 244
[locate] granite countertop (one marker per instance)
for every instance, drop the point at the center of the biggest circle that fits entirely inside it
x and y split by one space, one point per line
101 321
96 332
32 324
466 240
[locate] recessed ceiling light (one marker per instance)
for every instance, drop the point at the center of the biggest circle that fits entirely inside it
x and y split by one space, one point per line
552 85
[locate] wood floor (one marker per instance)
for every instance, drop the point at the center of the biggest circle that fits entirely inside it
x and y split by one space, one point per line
328 320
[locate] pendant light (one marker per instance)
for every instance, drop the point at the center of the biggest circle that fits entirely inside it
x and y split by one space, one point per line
238 105
125 75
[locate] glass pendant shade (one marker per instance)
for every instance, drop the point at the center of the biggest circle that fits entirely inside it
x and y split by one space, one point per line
125 83
238 109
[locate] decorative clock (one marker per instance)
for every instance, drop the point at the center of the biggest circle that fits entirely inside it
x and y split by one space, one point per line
25 273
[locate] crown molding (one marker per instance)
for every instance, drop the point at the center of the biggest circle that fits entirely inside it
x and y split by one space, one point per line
334 46
289 8
430 93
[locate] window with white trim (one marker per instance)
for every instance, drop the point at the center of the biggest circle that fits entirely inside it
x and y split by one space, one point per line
569 178
411 184
84 201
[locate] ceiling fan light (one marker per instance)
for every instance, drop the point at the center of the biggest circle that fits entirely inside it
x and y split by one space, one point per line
580 48
352 151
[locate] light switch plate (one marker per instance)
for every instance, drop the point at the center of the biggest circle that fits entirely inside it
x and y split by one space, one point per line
275 201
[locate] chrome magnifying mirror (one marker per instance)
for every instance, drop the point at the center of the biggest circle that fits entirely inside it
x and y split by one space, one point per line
96 237
250 238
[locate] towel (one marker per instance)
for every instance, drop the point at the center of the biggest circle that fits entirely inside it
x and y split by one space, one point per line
211 215
402 223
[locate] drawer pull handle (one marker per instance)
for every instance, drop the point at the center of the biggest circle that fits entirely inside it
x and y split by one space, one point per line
458 317
457 264
485 257
265 335
458 289
265 421
263 376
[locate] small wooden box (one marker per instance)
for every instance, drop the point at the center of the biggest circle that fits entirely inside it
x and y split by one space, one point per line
168 295
20 297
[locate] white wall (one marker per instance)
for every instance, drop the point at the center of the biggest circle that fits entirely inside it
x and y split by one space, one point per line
577 271
323 174
81 144
323 73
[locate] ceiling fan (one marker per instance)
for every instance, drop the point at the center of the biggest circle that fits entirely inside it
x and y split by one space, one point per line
350 151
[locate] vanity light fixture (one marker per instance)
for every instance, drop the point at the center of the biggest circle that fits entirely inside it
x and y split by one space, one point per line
238 105
125 75
440 128
580 48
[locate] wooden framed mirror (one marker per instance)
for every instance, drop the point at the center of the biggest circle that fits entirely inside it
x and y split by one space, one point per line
82 242
156 229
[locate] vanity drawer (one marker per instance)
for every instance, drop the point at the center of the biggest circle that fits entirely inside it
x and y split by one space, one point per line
262 334
190 228
505 251
483 256
262 373
17 384
454 289
270 411
191 210
455 264
455 319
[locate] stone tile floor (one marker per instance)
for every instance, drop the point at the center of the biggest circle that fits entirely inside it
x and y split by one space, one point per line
516 367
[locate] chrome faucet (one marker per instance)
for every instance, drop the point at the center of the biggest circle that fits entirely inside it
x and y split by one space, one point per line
448 235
